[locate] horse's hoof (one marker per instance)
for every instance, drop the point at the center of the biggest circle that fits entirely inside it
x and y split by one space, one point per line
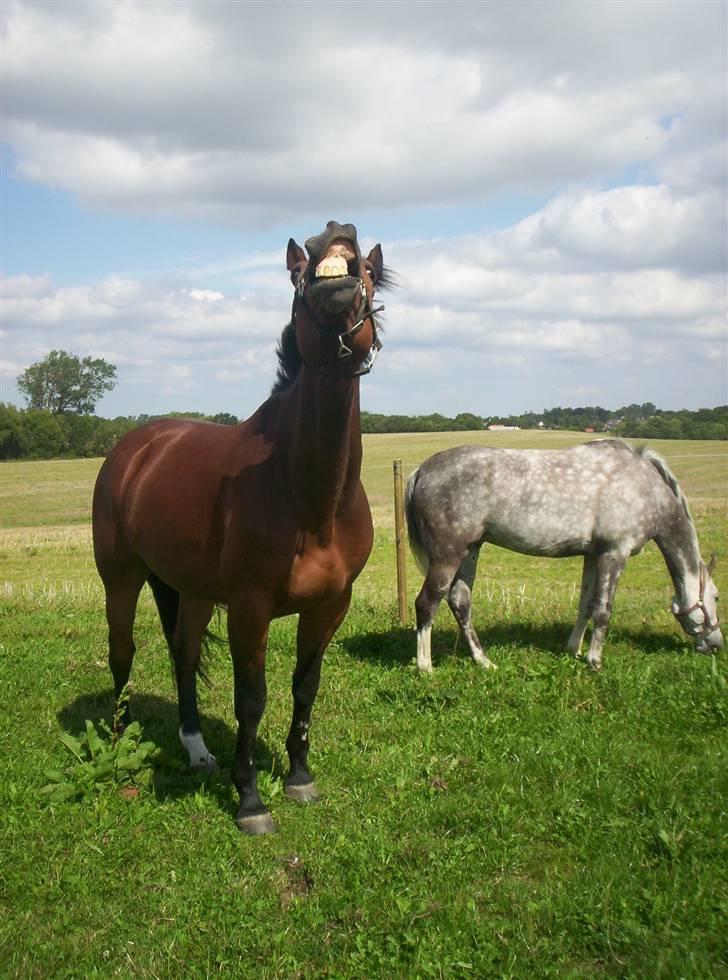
256 823
205 765
305 793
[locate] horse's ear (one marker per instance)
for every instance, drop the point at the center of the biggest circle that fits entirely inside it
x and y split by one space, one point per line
376 261
294 255
711 564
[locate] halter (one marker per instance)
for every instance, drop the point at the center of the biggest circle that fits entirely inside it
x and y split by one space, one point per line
343 351
706 627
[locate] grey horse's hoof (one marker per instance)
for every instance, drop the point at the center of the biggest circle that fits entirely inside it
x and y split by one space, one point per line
306 793
256 823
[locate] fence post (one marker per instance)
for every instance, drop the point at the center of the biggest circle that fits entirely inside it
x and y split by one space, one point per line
399 534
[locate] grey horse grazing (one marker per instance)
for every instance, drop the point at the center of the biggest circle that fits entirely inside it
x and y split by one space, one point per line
603 500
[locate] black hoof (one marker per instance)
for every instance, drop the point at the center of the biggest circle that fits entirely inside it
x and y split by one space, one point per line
256 823
306 793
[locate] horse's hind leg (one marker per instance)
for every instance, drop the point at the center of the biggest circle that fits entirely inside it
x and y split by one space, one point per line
460 602
122 594
435 587
315 630
192 619
588 584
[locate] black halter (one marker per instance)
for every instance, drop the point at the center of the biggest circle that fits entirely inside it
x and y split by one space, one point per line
344 352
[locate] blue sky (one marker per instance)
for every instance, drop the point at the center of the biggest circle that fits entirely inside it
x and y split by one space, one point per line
548 181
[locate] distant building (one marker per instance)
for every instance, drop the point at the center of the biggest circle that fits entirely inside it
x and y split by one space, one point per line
503 428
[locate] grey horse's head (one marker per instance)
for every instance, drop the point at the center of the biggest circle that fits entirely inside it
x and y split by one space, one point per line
700 621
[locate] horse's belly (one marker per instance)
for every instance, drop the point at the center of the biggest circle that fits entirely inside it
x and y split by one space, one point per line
545 542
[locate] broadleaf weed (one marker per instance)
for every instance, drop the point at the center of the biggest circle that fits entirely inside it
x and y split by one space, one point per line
100 761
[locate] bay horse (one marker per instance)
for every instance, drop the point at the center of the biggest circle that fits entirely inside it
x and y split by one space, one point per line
603 500
267 518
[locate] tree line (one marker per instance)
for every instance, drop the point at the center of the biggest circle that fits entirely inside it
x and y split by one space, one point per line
62 390
34 433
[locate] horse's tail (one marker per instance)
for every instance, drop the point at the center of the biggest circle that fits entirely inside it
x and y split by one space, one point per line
666 475
414 531
167 601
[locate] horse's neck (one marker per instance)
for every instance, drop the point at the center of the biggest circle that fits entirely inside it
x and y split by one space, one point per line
678 542
325 448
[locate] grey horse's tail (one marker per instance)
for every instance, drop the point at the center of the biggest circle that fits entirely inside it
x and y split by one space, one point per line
666 475
414 531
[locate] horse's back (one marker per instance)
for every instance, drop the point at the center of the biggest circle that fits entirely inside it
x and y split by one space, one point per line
539 501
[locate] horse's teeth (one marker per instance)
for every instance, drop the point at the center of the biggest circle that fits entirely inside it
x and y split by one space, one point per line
334 265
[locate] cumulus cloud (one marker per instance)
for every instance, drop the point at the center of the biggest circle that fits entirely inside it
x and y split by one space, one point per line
599 282
243 112
249 114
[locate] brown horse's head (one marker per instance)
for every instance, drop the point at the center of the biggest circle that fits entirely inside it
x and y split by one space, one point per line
333 309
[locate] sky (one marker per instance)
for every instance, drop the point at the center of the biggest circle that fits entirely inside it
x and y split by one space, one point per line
547 181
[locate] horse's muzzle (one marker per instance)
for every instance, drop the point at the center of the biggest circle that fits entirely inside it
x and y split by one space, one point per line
335 296
710 643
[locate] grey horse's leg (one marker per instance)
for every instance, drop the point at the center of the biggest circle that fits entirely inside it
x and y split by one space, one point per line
609 568
588 584
459 600
435 587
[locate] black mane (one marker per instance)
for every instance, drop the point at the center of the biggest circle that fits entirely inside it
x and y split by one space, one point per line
289 357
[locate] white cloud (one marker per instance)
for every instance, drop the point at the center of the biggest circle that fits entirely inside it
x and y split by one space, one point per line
245 113
531 302
249 114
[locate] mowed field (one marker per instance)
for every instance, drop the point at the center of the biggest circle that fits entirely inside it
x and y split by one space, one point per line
537 820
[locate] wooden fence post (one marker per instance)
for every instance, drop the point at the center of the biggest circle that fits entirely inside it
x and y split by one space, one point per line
399 533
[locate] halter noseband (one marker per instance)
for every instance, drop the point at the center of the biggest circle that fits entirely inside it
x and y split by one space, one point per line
343 351
707 626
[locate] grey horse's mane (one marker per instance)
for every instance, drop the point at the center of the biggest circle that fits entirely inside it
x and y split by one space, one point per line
666 474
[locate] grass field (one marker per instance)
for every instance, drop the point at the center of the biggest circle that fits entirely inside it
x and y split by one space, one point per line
534 821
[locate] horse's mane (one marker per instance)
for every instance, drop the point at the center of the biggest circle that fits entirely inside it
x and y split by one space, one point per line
289 357
666 475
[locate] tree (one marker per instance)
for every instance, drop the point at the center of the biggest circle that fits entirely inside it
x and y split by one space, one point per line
62 383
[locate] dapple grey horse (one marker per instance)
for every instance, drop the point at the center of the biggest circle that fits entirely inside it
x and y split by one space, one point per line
603 500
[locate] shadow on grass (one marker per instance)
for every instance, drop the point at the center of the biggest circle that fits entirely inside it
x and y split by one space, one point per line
397 647
159 719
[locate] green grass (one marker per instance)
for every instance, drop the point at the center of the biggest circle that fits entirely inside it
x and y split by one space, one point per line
534 821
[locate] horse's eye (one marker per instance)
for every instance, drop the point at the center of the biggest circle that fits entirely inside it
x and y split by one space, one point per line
371 273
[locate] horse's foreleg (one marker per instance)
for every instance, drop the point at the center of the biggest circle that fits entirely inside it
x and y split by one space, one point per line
315 630
608 569
588 584
192 619
122 594
248 623
460 602
435 587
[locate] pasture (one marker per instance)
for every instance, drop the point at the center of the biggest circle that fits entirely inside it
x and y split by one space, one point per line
537 820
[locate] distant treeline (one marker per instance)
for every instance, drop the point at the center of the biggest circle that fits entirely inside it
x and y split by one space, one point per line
36 434
635 421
